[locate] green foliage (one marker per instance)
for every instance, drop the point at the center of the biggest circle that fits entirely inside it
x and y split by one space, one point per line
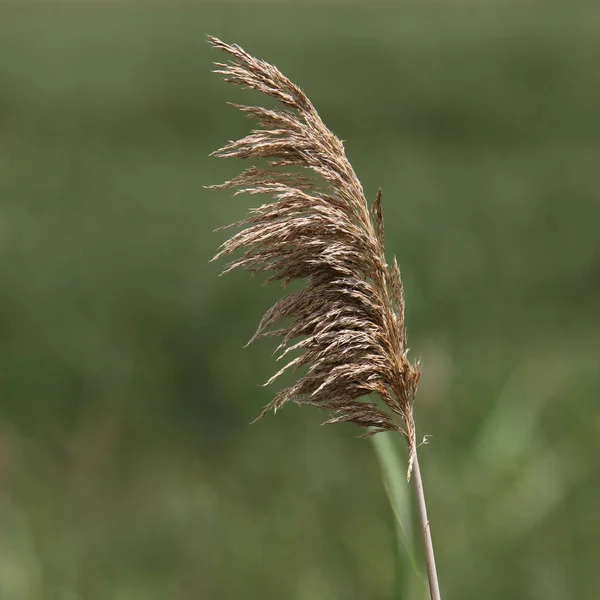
127 466
399 494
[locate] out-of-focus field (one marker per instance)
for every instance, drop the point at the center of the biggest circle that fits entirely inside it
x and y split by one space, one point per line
128 469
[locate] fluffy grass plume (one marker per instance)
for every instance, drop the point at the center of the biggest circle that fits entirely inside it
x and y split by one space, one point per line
348 321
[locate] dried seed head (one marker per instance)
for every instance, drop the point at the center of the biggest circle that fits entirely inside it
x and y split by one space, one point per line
348 322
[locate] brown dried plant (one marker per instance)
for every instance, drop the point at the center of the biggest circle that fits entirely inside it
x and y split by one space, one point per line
350 316
348 321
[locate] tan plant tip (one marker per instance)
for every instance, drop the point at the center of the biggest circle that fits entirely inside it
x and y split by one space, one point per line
348 322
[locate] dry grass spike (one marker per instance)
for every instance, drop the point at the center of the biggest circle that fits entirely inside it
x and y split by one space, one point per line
348 322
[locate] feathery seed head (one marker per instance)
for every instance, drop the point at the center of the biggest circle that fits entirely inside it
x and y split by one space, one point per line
348 322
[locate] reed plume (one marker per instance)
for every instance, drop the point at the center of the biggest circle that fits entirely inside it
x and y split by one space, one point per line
350 316
348 321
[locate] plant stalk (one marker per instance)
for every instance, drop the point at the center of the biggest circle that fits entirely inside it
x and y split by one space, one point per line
434 586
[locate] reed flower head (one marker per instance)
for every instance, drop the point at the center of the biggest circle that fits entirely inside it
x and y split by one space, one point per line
347 323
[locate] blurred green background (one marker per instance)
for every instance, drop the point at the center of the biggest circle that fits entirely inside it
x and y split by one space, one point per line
127 465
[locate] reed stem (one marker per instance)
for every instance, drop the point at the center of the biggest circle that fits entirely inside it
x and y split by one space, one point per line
434 586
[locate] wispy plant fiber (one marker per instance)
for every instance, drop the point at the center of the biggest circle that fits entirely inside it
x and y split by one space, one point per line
348 322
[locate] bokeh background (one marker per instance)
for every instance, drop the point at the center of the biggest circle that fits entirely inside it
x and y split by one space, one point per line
128 468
